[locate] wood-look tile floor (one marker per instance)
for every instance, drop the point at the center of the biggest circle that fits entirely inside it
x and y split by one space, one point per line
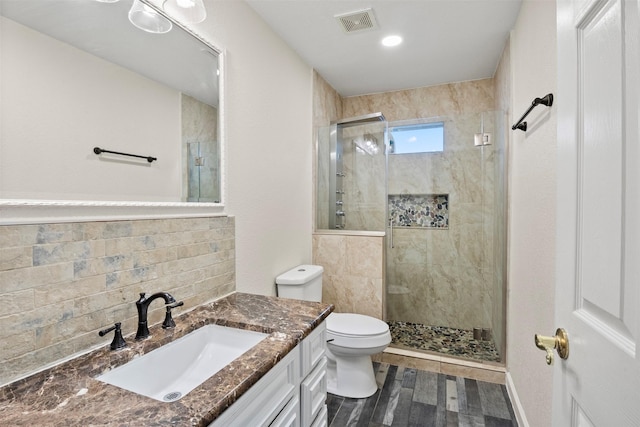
411 397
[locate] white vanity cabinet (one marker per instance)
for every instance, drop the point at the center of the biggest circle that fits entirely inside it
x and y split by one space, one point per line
292 394
313 386
264 401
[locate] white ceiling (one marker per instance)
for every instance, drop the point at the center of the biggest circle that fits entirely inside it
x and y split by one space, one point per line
444 40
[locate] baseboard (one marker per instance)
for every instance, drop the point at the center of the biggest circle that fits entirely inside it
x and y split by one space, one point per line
515 402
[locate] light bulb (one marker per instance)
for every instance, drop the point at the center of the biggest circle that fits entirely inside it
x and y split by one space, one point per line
187 11
391 41
147 19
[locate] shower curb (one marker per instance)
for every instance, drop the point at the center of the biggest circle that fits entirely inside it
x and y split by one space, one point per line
483 371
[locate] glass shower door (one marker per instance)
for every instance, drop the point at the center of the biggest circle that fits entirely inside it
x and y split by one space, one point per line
202 171
441 281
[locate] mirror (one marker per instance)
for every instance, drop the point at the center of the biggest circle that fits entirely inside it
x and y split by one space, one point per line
76 74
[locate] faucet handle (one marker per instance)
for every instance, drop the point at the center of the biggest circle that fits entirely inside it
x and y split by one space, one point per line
118 341
168 320
174 305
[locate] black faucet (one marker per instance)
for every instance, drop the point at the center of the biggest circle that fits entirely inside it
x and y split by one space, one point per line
143 306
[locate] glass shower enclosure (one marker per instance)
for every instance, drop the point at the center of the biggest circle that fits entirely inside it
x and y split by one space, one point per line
444 213
447 238
202 172
352 174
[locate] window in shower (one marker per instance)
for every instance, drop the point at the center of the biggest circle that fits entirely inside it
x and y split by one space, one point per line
417 138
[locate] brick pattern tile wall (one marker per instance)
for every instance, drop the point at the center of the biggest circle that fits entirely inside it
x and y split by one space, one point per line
61 283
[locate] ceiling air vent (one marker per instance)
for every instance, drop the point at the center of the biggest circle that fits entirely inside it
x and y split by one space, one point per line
360 20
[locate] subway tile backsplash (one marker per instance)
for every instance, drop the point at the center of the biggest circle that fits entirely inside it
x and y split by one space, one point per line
61 283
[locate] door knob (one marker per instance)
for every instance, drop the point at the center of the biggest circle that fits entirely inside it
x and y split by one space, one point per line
559 342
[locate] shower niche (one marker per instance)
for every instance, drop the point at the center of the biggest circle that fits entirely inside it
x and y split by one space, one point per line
419 210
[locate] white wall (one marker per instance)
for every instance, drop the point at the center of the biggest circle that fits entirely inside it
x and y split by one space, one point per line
268 112
532 209
58 103
268 130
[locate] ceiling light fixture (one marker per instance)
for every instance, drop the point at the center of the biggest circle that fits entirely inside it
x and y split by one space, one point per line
147 19
187 11
391 41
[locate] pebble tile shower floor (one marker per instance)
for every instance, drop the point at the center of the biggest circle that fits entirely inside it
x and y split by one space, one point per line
449 341
411 397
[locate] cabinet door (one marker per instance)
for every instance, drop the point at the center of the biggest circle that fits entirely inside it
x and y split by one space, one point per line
313 393
322 419
289 417
264 401
313 349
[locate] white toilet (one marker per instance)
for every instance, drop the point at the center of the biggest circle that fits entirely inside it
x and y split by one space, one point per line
351 338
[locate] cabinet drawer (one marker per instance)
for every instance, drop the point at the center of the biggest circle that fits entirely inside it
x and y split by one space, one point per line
313 349
313 393
260 405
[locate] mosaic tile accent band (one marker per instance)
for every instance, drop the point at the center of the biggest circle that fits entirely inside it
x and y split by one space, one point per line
419 210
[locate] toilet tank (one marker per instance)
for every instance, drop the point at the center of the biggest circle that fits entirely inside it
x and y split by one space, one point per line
303 282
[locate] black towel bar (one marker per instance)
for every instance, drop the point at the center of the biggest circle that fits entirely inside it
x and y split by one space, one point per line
546 100
98 150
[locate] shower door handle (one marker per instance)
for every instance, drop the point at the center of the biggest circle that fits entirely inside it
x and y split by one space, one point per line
391 233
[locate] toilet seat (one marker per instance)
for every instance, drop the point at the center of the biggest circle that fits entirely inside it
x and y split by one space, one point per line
351 330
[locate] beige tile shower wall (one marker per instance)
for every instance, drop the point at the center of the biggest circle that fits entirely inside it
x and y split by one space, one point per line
430 101
353 272
327 103
61 283
353 265
327 107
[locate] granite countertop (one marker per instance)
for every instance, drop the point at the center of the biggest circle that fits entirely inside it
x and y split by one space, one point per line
69 395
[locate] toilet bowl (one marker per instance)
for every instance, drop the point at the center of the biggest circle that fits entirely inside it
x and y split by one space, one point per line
351 338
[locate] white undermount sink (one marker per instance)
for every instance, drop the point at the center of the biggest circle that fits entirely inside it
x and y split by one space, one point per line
173 370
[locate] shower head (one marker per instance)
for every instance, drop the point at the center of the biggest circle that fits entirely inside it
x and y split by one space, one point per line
359 120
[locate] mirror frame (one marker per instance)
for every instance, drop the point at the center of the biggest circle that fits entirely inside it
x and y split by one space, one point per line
42 211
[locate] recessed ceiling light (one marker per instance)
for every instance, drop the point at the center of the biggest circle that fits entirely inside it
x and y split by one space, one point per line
391 41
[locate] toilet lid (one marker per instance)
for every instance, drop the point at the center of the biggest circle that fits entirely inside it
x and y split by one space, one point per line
350 324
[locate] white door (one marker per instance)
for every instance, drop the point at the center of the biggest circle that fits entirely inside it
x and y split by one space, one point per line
598 258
